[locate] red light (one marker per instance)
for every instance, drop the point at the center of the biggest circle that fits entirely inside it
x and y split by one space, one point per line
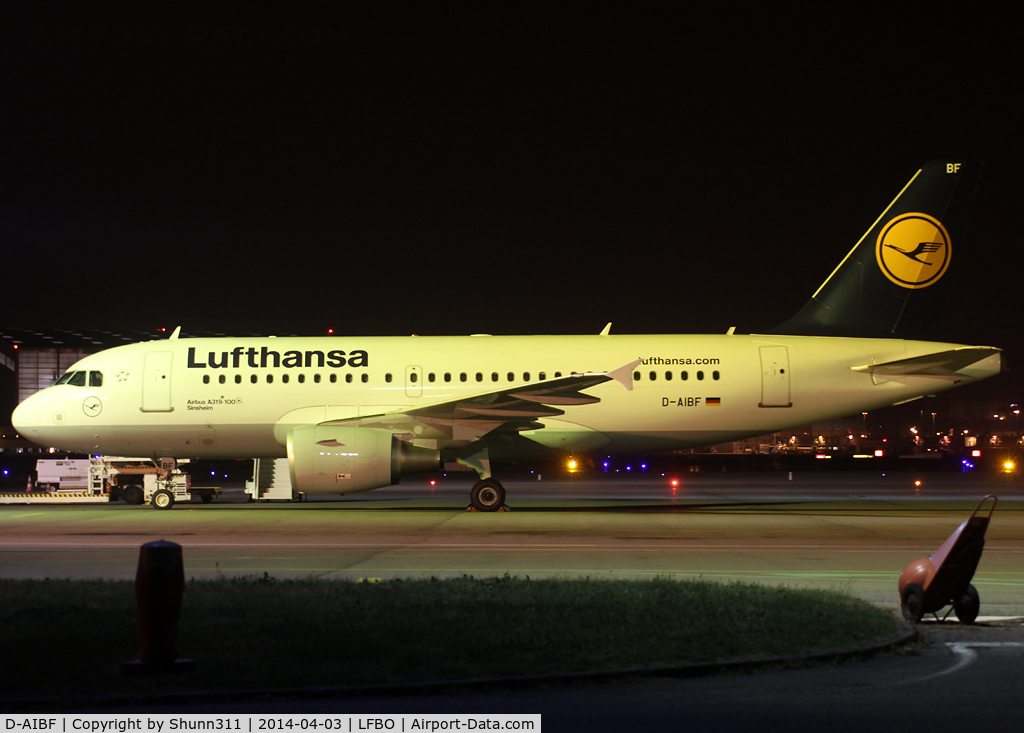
330 330
433 482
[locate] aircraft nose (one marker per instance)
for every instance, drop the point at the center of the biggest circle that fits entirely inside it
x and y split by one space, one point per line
27 417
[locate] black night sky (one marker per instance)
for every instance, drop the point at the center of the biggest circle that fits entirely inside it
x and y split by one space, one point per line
449 168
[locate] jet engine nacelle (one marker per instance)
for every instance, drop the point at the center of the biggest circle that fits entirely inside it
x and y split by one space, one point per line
325 459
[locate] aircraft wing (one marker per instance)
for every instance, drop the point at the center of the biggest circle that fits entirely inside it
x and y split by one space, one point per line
941 365
467 419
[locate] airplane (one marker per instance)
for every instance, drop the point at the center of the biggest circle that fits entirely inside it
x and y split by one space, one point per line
356 413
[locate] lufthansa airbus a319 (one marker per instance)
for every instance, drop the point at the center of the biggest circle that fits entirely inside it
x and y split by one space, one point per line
356 413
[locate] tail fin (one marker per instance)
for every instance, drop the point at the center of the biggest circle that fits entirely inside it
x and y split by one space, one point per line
895 282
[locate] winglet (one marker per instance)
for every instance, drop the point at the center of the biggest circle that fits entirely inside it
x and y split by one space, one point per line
606 330
174 335
624 374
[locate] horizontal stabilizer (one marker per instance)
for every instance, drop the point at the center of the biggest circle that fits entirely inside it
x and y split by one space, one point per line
942 365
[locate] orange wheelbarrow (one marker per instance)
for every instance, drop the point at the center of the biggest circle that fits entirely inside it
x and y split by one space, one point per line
931 583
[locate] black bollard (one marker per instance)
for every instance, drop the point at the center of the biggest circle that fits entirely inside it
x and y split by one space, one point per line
159 584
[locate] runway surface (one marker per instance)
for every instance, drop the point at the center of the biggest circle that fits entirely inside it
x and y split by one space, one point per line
849 531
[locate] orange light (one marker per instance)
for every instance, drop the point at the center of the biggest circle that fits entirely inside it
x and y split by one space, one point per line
917 483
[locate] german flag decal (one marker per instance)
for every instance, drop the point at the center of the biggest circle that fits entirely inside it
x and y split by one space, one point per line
713 401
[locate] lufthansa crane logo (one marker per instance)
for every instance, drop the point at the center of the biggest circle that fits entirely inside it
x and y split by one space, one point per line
92 406
914 250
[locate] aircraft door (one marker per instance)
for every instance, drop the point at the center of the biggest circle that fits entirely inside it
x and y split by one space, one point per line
413 381
156 382
775 377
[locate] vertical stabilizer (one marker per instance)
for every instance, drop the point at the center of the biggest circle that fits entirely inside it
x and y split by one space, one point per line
895 282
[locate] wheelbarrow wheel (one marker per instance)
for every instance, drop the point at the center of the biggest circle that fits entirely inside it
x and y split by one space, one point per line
912 603
967 605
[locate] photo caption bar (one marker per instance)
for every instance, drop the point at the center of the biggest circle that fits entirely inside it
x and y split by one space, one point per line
246 723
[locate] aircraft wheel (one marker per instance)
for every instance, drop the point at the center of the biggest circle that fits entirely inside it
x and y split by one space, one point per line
162 499
967 605
132 494
912 603
487 495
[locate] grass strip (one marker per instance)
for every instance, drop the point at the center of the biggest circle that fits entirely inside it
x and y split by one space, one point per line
66 637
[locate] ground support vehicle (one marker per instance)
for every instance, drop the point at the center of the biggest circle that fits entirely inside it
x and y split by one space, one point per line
101 479
929 584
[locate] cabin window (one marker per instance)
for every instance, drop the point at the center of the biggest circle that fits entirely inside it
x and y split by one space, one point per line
206 379
462 377
479 377
636 376
387 377
685 376
511 377
494 376
77 379
348 378
95 379
447 377
430 377
526 376
700 375
557 375
653 376
668 376
334 378
542 376
238 379
365 378
63 378
284 379
715 376
270 379
253 378
302 378
316 378
413 377
222 379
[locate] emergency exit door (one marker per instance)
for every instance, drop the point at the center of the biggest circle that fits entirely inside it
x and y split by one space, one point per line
775 377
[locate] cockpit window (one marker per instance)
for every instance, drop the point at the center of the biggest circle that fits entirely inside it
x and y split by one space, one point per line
95 379
77 379
64 378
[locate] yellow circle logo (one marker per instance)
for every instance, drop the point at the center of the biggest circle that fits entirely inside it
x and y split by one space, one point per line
913 250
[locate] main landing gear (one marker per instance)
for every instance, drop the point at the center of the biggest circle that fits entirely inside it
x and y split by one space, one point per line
487 495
